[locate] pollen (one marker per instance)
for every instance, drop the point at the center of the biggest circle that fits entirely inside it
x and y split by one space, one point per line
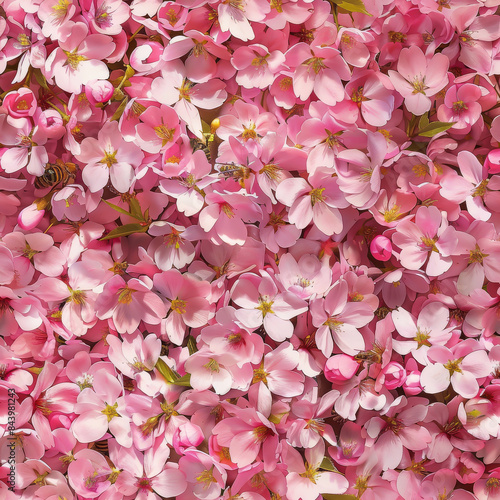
430 243
357 96
23 40
206 478
236 4
73 59
275 221
179 306
22 105
316 64
261 433
481 189
286 83
333 323
271 171
110 411
276 5
185 90
227 209
172 17
422 338
259 375
61 9
459 106
476 255
392 214
397 36
144 483
492 483
265 306
109 159
164 133
212 366
260 60
453 366
419 86
125 296
316 195
311 473
249 133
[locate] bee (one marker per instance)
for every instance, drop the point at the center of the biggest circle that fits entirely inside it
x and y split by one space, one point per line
199 144
101 446
56 173
372 356
237 172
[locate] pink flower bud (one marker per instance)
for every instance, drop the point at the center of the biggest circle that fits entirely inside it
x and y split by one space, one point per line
381 248
145 56
395 375
20 104
99 91
185 436
30 216
340 368
51 124
492 162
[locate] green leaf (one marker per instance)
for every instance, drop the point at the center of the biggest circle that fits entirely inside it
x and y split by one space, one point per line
125 230
423 122
327 464
168 374
135 209
40 78
117 208
191 345
184 381
351 6
434 128
119 111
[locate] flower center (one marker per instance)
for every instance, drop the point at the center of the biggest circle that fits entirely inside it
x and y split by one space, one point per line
265 306
311 473
207 478
421 338
392 214
275 221
125 296
476 255
110 411
164 133
286 83
481 188
397 36
109 158
73 59
453 366
212 366
316 195
315 63
249 132
271 171
419 86
459 106
179 306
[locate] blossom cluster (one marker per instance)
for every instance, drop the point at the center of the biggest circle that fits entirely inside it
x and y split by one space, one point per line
250 249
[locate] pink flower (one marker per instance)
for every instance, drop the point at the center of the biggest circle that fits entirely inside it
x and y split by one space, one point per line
417 78
101 408
430 237
461 106
461 367
109 157
189 298
263 305
129 303
234 16
78 59
305 480
318 201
